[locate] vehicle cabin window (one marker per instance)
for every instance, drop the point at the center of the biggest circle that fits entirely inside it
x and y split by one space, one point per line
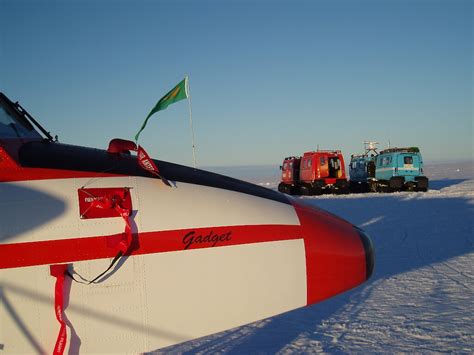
309 163
385 161
285 166
10 127
408 160
291 165
322 160
354 165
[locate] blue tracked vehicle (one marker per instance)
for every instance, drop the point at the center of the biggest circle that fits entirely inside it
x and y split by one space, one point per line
393 169
399 169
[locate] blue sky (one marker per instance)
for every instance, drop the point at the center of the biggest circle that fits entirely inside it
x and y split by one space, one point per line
268 79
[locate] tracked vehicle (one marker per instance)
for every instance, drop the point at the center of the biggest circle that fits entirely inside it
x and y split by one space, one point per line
393 169
399 169
314 173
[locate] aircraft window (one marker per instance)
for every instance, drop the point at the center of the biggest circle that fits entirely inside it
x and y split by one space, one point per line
10 127
408 160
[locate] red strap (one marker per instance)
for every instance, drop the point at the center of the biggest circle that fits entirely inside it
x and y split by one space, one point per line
117 146
146 162
126 241
58 271
114 201
121 245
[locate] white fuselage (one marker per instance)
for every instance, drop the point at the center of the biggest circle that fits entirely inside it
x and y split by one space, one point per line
150 300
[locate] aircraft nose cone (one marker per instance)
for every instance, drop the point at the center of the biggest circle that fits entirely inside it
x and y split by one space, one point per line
339 256
369 252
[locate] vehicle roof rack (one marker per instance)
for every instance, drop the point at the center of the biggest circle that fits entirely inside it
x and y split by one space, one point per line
333 151
401 150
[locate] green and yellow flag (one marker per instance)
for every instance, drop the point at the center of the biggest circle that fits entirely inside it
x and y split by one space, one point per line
179 92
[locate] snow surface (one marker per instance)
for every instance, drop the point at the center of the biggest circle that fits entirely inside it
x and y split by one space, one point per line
420 297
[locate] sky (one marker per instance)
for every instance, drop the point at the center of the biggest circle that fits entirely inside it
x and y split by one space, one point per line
268 79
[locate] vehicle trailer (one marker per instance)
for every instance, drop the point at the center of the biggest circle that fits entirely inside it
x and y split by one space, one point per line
362 168
314 173
290 176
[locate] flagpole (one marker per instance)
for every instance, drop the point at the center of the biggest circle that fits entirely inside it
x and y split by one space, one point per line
191 120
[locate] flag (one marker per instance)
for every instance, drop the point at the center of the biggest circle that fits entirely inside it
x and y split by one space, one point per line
179 92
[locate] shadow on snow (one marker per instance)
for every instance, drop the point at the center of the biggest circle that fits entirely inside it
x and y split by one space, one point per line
441 184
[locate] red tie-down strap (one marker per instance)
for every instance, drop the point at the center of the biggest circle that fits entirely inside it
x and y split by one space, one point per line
59 271
112 201
148 164
126 241
103 203
117 146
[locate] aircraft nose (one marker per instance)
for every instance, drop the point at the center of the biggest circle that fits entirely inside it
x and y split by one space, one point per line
369 252
339 256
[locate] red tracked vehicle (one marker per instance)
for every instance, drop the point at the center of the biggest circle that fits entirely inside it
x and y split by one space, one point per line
314 173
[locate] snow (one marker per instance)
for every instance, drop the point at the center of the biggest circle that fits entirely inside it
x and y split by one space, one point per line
421 296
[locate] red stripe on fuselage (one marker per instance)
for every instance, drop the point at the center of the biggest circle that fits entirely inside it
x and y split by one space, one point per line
92 248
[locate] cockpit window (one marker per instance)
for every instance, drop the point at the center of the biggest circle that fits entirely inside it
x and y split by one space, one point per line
12 127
